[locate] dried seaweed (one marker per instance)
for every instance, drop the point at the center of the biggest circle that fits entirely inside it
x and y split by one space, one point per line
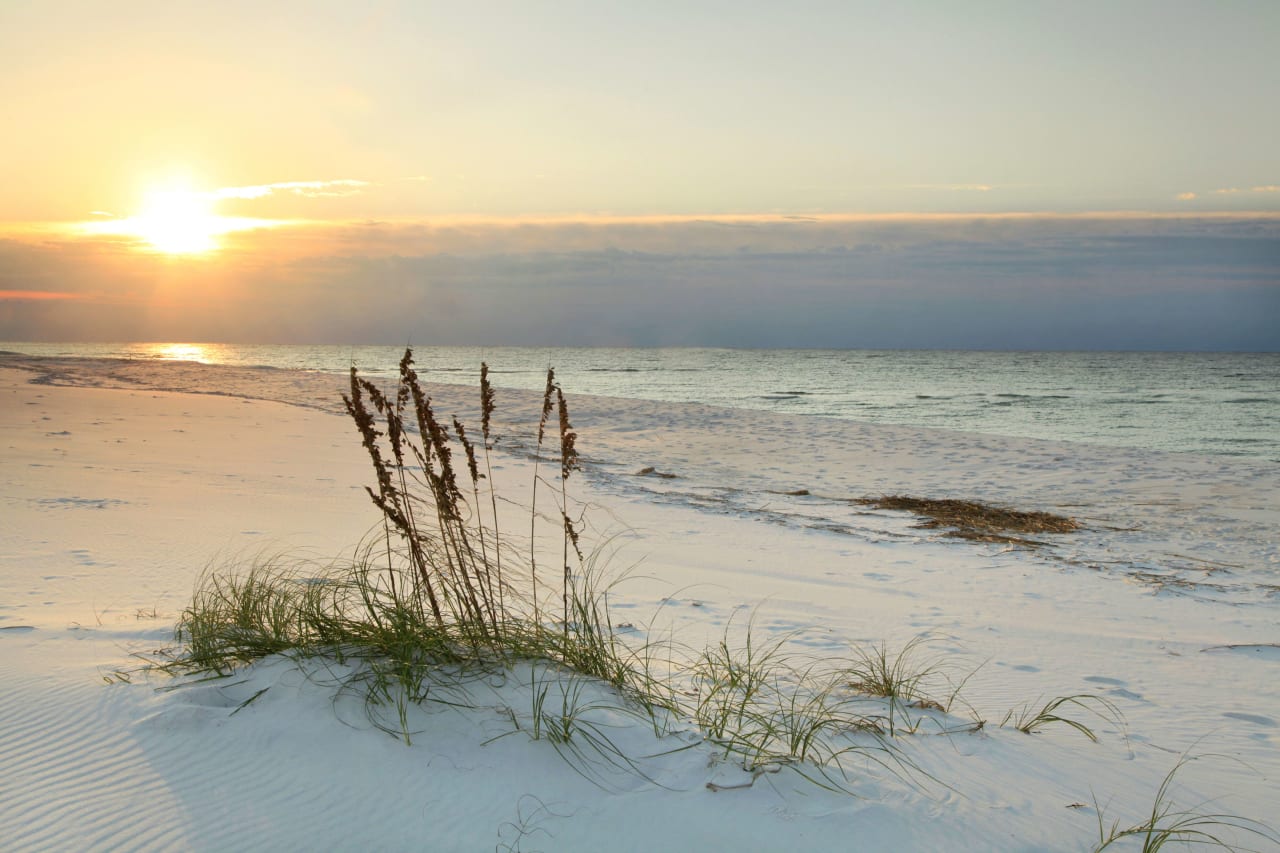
975 521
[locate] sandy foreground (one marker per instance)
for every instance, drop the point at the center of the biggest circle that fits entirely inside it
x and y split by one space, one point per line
117 491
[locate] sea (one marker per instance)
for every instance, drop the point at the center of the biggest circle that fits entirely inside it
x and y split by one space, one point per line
1223 404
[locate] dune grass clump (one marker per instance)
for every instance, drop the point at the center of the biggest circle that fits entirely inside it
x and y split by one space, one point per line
1167 824
877 672
1030 719
769 707
443 585
447 557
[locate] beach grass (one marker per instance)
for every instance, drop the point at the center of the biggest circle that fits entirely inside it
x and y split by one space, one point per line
902 676
1030 718
1169 825
446 595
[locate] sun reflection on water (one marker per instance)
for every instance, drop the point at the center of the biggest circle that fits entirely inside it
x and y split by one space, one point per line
202 353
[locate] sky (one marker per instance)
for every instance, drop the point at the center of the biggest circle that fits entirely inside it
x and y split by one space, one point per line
984 175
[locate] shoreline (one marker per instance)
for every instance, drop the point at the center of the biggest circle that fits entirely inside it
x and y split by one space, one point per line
1204 403
122 496
1205 525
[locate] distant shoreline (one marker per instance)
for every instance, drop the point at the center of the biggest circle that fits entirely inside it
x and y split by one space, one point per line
1220 404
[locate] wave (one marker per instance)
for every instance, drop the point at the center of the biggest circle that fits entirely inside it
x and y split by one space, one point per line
1009 399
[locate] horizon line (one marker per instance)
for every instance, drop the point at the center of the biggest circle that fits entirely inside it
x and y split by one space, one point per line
851 217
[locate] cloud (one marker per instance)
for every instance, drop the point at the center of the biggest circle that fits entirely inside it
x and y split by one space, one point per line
997 282
977 188
34 295
1269 188
309 189
1186 196
755 236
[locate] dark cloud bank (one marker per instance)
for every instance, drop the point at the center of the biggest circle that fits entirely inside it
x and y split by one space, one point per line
1114 284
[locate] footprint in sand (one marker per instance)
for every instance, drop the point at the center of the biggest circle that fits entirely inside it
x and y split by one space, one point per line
1118 689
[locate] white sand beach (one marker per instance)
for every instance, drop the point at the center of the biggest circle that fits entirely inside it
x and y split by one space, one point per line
120 486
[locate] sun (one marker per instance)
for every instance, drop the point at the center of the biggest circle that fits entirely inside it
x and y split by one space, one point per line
177 220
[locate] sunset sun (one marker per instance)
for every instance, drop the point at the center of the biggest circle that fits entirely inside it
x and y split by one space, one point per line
177 220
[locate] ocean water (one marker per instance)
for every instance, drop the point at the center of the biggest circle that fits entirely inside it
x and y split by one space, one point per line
1225 404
